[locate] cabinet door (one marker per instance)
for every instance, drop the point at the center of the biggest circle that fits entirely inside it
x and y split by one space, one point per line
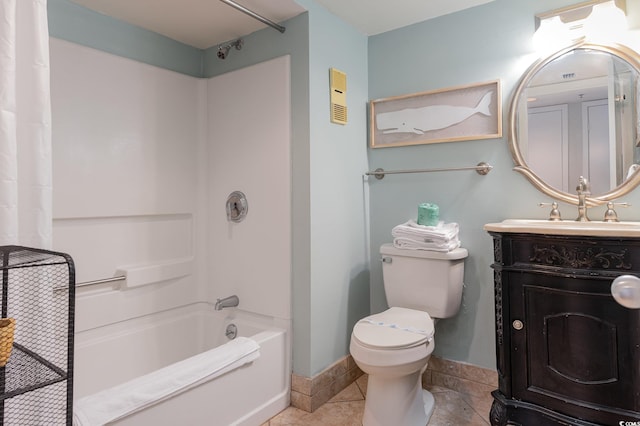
576 348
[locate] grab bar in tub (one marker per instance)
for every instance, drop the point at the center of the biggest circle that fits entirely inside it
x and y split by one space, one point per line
102 281
139 275
94 282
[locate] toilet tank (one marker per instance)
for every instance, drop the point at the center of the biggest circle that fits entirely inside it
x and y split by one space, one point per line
424 280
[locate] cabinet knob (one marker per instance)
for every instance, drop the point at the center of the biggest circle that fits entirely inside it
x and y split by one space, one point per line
518 325
626 291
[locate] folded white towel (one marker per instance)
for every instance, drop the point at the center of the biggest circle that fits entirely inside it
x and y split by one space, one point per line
411 244
444 232
127 398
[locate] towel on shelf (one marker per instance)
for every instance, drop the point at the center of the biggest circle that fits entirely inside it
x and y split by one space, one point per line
443 232
127 398
411 244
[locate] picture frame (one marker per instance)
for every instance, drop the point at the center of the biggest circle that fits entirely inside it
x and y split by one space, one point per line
470 112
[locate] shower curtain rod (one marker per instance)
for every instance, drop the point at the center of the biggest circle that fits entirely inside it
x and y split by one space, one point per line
254 15
481 168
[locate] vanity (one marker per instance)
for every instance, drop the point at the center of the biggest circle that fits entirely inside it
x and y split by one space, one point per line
567 353
567 350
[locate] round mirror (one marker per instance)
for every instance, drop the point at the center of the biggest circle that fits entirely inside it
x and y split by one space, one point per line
575 113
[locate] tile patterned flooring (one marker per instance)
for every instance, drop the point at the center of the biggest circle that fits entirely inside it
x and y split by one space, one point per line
346 408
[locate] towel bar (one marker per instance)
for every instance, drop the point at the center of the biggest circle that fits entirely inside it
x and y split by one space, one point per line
481 168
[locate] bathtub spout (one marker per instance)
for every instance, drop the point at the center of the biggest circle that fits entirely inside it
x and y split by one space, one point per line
227 302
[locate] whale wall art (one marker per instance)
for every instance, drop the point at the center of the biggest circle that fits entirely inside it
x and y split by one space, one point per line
454 114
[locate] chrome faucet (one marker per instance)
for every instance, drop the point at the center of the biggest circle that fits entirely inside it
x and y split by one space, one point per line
583 190
227 302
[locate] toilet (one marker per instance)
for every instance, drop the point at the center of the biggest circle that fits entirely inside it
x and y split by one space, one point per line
393 347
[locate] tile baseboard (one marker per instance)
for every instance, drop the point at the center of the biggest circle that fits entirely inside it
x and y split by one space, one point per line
309 394
461 377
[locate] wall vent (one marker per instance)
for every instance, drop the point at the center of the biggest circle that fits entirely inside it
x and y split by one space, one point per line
338 87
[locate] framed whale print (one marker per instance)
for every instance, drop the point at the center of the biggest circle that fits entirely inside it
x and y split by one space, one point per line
447 115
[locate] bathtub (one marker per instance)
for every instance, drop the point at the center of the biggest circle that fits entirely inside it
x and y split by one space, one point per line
249 395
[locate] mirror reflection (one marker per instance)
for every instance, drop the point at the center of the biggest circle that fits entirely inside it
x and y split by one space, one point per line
578 116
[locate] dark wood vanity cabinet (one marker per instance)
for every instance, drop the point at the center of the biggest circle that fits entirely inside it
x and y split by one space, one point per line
567 352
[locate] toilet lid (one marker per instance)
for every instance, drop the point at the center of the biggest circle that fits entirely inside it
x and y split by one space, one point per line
394 328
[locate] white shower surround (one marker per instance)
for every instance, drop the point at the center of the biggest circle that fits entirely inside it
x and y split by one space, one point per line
144 159
248 119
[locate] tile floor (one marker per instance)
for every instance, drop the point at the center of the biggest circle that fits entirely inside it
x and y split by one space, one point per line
346 408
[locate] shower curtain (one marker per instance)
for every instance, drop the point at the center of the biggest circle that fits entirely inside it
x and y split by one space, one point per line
25 124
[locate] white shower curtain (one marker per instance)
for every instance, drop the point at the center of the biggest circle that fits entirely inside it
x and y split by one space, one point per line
25 124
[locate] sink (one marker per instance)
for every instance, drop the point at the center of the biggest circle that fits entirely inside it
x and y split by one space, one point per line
566 227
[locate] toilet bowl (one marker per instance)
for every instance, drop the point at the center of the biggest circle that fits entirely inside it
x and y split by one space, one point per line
393 348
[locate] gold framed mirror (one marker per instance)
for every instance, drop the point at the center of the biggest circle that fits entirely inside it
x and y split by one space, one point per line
576 113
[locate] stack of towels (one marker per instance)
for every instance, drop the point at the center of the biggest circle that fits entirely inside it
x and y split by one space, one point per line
442 237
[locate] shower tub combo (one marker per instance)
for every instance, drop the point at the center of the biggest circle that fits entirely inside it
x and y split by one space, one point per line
178 350
126 333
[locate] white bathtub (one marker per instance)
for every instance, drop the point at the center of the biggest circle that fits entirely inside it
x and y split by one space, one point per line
249 395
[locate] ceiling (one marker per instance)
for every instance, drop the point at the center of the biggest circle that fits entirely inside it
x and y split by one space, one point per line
574 77
206 23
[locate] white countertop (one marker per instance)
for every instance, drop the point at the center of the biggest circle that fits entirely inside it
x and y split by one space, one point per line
566 227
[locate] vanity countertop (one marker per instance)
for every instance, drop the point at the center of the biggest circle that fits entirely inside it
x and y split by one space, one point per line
566 227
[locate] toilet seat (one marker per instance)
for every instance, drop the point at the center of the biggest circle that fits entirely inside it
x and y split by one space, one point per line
395 328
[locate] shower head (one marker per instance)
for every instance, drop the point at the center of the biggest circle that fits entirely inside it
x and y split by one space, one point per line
223 51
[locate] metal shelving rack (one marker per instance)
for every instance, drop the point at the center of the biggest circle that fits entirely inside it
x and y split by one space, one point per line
38 290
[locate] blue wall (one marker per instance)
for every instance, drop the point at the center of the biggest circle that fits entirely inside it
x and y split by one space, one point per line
75 23
339 284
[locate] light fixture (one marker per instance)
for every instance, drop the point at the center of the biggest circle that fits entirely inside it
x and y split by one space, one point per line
606 23
551 35
595 20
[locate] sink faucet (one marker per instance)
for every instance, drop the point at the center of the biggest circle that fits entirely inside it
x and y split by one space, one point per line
583 190
227 302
